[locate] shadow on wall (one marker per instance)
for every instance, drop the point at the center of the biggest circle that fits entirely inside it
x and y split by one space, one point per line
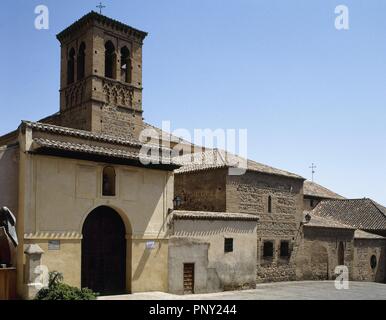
214 283
380 274
141 264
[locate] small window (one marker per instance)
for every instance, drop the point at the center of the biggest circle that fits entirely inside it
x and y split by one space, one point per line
312 203
268 249
110 58
228 245
81 61
125 65
284 249
71 66
341 254
108 187
373 261
269 204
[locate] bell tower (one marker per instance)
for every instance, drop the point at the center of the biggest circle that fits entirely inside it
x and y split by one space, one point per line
101 76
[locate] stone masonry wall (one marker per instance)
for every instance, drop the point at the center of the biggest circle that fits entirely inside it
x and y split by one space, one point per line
202 190
363 251
249 193
317 254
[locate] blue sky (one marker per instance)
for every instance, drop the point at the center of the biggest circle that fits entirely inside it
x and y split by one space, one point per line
305 91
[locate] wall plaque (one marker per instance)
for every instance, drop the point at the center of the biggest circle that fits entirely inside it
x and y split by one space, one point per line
150 244
54 245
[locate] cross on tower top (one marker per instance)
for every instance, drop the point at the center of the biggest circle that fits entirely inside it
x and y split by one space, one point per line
313 167
100 6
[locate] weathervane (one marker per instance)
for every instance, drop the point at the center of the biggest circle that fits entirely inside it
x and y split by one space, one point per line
100 6
313 167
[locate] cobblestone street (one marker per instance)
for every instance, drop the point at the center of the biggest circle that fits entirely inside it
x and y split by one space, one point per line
302 290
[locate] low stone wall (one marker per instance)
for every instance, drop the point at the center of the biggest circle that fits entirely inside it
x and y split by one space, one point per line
275 273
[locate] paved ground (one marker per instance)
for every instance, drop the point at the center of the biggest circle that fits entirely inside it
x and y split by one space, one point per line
301 290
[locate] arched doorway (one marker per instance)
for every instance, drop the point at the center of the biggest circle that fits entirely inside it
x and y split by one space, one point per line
341 254
104 252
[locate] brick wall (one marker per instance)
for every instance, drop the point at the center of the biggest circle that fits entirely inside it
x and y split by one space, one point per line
96 103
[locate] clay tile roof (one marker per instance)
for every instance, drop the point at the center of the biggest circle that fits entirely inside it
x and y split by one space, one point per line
215 158
41 143
88 135
94 16
208 215
359 234
166 135
363 214
316 190
322 222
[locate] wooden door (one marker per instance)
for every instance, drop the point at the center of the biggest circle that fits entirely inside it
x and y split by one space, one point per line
341 254
104 252
188 278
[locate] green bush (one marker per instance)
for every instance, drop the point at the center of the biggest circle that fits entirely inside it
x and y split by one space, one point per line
57 290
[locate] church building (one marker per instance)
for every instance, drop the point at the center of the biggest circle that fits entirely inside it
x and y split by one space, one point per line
91 204
75 180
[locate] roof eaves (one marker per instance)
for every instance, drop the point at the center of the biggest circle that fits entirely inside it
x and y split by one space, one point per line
65 131
377 206
92 15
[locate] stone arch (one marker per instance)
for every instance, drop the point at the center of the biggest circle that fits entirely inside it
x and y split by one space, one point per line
107 91
109 181
114 96
122 214
125 65
71 66
81 61
122 97
106 251
110 60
